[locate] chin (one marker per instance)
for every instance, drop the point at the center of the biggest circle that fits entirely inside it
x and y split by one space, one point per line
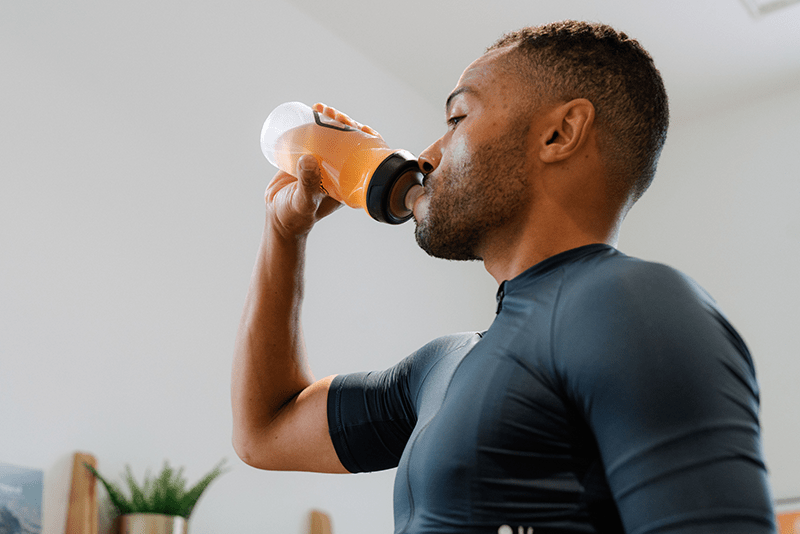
437 246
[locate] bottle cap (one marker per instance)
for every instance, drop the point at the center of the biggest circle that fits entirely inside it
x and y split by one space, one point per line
388 187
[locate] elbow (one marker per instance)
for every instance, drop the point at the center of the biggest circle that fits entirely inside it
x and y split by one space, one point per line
245 449
240 450
252 451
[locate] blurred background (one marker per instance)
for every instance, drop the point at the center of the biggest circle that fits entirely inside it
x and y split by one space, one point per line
131 207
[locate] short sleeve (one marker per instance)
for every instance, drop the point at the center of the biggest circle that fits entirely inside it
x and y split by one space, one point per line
370 418
668 389
371 415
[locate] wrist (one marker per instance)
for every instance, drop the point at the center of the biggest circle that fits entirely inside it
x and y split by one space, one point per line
278 231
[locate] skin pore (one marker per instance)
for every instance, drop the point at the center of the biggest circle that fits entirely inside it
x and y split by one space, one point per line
513 184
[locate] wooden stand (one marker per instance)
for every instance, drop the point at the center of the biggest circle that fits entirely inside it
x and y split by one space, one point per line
82 511
319 523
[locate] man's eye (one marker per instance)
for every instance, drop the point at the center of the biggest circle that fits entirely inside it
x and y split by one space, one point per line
452 122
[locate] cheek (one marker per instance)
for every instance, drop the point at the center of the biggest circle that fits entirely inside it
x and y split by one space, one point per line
458 153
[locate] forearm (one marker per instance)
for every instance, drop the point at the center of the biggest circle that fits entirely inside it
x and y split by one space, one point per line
269 365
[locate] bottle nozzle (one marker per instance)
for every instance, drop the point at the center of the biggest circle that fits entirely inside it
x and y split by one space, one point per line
412 195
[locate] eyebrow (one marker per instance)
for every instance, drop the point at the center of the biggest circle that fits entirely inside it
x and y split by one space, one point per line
455 93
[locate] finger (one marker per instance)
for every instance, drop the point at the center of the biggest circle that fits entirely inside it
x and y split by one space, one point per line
278 182
371 131
328 206
309 192
336 115
343 118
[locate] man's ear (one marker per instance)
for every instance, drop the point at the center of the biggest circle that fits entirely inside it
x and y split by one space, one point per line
568 127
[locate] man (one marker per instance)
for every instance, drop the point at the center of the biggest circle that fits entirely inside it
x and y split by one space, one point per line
609 395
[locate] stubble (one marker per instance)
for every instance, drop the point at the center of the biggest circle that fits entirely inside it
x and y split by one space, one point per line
477 197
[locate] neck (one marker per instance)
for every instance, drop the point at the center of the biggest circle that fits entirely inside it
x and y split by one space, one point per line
551 231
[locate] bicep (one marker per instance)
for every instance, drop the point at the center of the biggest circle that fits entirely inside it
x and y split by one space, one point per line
297 439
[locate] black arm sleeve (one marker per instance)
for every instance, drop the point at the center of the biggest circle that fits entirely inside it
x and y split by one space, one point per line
370 418
372 415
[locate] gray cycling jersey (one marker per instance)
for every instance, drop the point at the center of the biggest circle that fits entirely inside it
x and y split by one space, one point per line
609 395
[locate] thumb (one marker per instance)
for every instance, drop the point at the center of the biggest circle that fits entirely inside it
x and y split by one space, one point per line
309 192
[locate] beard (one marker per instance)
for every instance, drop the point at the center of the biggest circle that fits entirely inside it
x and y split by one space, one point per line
477 196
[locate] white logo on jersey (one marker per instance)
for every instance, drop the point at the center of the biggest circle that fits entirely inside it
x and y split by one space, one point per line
505 529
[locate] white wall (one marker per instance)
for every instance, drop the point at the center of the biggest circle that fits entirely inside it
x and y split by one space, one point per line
131 207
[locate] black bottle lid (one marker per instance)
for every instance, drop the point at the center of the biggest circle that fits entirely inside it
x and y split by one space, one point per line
389 185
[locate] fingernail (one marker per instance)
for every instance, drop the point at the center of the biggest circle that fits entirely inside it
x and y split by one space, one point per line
308 163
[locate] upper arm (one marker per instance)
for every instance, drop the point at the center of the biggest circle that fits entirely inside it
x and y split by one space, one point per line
669 392
371 420
297 439
373 415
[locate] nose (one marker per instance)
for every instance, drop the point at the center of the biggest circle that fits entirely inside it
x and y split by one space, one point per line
430 158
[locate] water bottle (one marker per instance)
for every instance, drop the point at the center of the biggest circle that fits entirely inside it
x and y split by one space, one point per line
358 169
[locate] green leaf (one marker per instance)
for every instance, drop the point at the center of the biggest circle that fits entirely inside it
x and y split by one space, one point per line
138 499
190 499
120 502
165 494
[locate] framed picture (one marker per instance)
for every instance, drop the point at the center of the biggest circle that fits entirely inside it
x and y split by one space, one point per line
21 491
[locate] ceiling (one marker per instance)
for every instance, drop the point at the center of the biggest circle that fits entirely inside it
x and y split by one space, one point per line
712 54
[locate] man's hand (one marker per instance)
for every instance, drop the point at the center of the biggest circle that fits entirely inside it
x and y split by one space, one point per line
294 205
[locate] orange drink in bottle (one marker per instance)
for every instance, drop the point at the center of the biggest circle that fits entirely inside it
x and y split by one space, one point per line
358 169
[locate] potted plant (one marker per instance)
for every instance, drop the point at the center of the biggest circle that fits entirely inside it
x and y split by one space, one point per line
160 505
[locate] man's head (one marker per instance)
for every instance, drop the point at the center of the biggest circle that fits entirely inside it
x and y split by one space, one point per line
555 130
567 60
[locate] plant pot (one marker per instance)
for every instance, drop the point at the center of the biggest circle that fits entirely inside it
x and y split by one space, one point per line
151 524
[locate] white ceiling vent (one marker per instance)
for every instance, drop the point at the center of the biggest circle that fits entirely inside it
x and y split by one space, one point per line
759 8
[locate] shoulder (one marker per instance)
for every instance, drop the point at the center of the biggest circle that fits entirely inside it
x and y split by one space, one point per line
621 288
630 322
410 373
435 361
623 315
433 351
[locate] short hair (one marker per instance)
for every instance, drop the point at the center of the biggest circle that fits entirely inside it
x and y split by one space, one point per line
571 59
